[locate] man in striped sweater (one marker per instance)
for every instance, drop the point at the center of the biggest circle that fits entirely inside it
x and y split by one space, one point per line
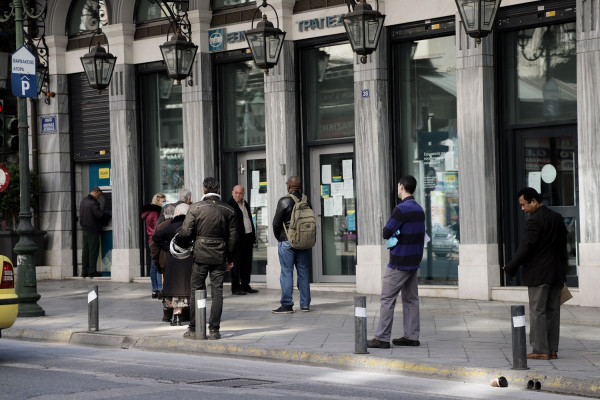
401 275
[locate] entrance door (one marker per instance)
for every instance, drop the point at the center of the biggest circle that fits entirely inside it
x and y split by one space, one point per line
547 162
252 173
333 198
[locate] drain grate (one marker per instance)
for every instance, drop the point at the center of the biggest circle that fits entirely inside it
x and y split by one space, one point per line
233 382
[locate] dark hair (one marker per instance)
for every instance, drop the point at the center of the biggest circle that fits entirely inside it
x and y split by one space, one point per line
409 182
529 194
211 185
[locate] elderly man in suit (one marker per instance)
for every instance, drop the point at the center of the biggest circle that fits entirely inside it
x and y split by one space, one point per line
543 254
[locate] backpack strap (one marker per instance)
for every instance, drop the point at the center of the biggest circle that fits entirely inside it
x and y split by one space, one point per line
293 197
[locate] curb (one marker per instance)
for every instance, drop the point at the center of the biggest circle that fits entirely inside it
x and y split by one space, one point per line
516 378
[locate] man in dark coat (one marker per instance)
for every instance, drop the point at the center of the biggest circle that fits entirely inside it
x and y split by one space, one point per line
246 236
543 254
92 218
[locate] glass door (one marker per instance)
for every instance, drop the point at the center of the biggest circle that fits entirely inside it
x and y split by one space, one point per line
333 197
252 174
547 162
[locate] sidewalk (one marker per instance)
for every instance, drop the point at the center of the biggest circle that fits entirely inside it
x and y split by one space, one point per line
463 340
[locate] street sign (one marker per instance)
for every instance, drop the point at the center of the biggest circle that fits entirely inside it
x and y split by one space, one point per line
4 178
23 73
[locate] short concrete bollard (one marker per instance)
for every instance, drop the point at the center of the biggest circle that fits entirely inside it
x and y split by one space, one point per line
93 317
360 325
200 314
519 345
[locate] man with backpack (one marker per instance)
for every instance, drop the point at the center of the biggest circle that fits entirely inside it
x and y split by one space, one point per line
294 226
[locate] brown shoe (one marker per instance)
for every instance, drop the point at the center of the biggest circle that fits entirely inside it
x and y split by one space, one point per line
377 344
537 356
553 355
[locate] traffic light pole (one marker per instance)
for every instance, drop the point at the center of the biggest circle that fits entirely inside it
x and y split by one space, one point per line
26 285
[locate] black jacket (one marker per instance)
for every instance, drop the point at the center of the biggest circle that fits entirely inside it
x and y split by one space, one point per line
239 219
543 252
91 217
283 214
177 272
211 223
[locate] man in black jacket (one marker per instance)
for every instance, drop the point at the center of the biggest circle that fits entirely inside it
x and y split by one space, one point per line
543 254
211 223
246 236
92 218
288 256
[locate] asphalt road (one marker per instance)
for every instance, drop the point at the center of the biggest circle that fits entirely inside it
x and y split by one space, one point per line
47 371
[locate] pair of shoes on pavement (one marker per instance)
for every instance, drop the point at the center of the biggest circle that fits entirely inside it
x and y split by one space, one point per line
403 341
284 310
157 294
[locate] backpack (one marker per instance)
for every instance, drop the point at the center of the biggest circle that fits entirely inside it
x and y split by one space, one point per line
302 233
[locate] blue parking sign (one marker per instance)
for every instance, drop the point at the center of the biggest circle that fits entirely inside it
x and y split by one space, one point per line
23 73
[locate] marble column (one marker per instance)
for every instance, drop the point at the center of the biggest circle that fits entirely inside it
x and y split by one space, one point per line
588 124
125 185
283 146
478 269
373 167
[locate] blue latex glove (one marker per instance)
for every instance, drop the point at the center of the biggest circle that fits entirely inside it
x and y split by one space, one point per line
393 240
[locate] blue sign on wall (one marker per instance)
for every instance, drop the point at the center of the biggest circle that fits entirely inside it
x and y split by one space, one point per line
48 124
216 39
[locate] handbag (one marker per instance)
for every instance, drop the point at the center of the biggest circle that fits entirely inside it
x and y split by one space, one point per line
565 294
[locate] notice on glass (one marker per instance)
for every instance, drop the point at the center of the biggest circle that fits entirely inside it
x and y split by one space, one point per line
535 181
261 200
254 197
348 190
264 216
255 179
326 174
351 220
325 191
337 189
328 207
338 205
347 169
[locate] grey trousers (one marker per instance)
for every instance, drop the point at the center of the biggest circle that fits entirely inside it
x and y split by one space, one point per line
544 318
394 282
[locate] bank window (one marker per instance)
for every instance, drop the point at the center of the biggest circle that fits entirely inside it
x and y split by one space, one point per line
150 11
243 105
427 146
542 74
87 16
328 92
162 135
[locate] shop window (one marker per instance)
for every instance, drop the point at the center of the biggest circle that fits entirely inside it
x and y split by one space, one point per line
162 135
86 16
542 74
427 146
328 92
243 105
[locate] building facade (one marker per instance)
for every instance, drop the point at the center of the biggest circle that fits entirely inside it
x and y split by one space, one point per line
472 122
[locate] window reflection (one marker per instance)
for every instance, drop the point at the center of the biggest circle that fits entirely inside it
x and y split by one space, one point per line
87 16
229 3
147 11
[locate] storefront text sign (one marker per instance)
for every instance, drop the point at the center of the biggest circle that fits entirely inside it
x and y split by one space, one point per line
217 38
330 21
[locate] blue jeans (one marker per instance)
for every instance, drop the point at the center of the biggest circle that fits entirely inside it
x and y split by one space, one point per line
155 277
288 256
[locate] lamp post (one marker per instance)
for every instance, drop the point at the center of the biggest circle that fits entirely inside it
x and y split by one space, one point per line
26 286
265 41
478 16
363 26
178 52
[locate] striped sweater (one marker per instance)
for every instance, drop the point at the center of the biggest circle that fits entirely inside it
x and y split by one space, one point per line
408 216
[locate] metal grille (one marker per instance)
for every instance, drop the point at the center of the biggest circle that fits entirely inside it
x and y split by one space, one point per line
233 382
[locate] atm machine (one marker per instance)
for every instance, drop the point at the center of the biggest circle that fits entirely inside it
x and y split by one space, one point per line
100 175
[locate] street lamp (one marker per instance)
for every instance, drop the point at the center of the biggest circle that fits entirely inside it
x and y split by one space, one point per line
26 285
265 41
478 16
179 52
98 64
363 26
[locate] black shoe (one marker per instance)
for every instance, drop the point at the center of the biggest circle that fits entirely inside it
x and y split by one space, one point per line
214 335
185 314
305 309
159 294
167 314
190 334
284 310
94 274
405 342
378 344
176 320
250 290
154 294
239 293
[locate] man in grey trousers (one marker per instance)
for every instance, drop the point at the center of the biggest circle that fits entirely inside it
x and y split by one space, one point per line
401 275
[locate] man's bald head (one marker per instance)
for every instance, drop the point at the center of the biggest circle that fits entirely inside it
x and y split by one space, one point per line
294 183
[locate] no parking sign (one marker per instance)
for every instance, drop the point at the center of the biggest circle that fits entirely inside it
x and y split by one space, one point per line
4 178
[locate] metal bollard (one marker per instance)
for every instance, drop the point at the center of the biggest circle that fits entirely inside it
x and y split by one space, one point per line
519 345
200 314
360 325
93 318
